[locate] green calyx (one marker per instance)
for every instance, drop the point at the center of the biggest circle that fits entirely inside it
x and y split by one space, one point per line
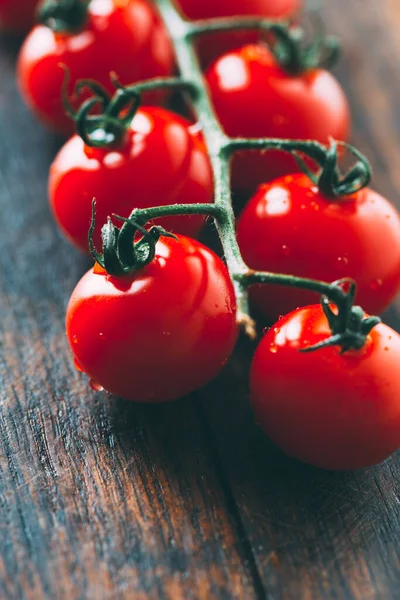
330 181
296 54
122 254
349 326
63 16
102 120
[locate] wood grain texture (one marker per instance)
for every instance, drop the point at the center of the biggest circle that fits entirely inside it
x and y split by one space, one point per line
103 499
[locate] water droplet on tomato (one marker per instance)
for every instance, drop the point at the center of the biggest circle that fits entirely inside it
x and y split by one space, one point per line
286 251
342 262
266 329
75 339
224 362
302 206
102 336
96 387
277 329
78 366
279 119
273 348
375 285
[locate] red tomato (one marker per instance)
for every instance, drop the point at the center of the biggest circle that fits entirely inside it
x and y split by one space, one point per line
125 37
162 161
159 333
17 15
209 9
289 227
254 97
216 44
332 410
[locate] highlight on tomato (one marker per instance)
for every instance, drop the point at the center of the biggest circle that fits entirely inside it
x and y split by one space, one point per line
91 39
322 229
128 157
214 45
284 92
336 408
17 16
157 325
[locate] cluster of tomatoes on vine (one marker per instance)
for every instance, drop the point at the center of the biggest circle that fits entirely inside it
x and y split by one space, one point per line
155 318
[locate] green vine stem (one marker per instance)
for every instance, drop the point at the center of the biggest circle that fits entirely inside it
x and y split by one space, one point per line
220 149
200 27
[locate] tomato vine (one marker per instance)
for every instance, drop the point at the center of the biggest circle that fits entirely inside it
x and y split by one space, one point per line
221 149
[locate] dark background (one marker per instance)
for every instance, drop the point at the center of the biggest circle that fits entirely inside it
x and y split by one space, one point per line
100 498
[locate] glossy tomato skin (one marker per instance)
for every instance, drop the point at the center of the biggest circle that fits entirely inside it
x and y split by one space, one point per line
335 411
162 161
213 46
126 38
289 227
209 9
254 97
17 16
160 333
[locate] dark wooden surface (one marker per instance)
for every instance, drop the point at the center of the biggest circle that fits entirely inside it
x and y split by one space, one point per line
100 498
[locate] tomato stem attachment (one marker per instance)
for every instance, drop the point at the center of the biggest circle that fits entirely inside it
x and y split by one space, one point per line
329 179
349 326
63 16
103 119
296 54
288 43
122 254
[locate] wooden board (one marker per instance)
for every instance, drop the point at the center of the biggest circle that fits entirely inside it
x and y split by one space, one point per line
100 498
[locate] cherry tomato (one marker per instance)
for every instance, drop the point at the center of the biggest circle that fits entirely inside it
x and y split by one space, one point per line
17 16
332 410
125 37
289 227
162 161
254 97
217 44
159 333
